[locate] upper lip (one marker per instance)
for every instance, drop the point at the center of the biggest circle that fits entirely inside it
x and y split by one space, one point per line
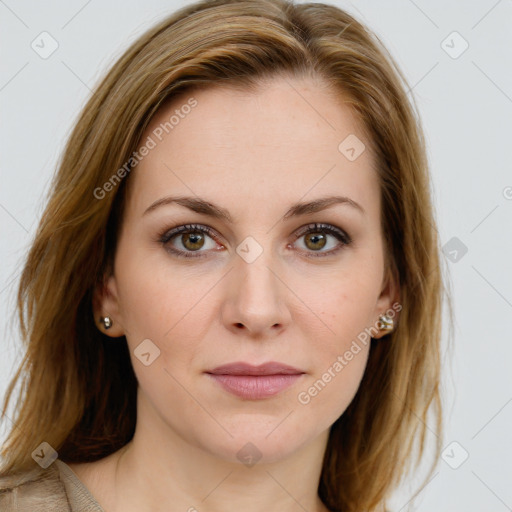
242 368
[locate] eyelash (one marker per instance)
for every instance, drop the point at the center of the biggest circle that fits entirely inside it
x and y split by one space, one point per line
167 235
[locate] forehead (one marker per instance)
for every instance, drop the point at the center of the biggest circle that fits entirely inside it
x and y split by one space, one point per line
284 140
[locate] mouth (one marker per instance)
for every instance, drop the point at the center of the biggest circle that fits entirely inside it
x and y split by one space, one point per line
255 382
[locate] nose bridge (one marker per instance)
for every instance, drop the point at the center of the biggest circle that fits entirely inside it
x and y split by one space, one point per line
257 285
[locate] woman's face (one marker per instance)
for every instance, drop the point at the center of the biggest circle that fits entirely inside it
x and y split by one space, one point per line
263 283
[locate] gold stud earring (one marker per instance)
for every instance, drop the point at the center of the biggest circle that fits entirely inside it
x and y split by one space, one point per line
385 323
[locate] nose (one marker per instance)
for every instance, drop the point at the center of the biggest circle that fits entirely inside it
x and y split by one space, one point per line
256 298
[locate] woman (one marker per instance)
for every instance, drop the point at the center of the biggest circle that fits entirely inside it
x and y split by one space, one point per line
233 299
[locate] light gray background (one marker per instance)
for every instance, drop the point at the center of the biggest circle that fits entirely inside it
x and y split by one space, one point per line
466 108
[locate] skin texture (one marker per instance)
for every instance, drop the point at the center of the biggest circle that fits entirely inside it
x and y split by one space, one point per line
254 154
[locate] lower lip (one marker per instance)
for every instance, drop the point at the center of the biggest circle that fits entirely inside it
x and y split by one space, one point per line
253 387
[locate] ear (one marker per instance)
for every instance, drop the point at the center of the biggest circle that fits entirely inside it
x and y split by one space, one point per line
389 299
105 302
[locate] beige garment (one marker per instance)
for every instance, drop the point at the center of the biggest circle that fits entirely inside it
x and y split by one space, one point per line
55 489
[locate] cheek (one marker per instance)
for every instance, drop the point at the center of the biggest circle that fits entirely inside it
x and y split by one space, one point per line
153 294
170 307
340 362
341 306
341 345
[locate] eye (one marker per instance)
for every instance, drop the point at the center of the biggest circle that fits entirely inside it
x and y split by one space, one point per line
316 237
188 240
191 238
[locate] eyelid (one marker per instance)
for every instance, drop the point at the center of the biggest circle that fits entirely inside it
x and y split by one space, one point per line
167 234
321 226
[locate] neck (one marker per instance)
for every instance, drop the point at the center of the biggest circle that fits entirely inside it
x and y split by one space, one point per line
160 470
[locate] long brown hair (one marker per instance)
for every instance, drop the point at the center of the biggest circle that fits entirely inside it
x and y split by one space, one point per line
78 390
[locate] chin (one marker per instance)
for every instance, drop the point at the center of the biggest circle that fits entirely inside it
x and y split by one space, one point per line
256 443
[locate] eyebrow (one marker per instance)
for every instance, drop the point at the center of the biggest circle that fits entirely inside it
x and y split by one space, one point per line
204 207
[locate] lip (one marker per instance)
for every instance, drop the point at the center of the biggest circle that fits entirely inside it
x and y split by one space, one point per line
242 368
255 382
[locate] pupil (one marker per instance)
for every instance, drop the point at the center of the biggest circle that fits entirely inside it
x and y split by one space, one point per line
194 239
316 238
